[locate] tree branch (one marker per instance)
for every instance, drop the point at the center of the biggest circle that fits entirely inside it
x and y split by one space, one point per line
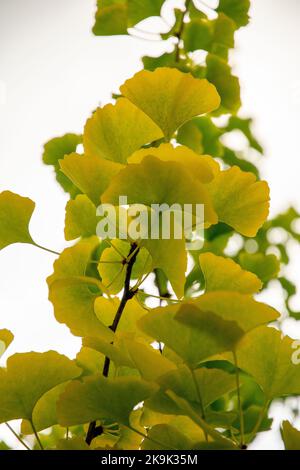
128 294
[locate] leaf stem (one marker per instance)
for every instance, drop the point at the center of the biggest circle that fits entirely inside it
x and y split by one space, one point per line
238 385
46 249
18 437
37 436
259 420
200 400
181 30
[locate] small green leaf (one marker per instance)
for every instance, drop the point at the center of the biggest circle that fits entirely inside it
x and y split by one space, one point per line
15 215
236 9
266 267
81 219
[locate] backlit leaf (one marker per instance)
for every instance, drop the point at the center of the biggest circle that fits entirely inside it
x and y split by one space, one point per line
6 337
266 267
15 215
236 9
81 219
116 131
28 377
224 274
170 97
98 397
290 436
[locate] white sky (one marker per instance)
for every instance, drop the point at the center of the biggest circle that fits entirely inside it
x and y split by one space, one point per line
54 72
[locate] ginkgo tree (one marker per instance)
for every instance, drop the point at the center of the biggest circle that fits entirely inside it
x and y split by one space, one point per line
200 370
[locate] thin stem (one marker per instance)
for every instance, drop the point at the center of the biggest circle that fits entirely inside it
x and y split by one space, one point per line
127 295
160 297
115 248
37 436
181 30
237 377
18 437
160 444
259 420
46 249
200 400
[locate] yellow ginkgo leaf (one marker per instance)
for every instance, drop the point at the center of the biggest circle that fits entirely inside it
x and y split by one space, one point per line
27 378
239 200
170 97
90 174
116 131
81 219
6 338
15 215
197 165
224 274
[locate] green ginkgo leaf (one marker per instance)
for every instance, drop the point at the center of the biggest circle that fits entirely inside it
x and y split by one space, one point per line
224 274
44 413
56 149
236 9
268 357
71 294
116 131
266 267
6 337
27 378
81 219
98 397
15 215
91 175
290 436
166 437
170 97
239 200
228 86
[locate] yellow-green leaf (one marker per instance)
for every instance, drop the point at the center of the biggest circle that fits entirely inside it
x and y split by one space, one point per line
90 174
170 97
98 397
266 267
224 274
290 436
6 337
116 131
81 219
239 200
267 356
15 215
27 378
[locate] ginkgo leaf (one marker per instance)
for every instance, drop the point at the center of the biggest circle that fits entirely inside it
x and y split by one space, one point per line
116 131
116 351
138 10
15 215
90 361
44 413
267 356
239 200
198 166
232 306
98 397
170 97
71 294
236 9
81 219
73 443
106 310
212 323
198 34
28 377
111 18
166 437
227 85
150 362
57 148
244 125
290 436
224 274
90 174
201 135
113 270
266 267
201 388
154 181
6 337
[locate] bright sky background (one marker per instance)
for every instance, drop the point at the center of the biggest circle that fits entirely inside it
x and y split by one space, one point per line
54 72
